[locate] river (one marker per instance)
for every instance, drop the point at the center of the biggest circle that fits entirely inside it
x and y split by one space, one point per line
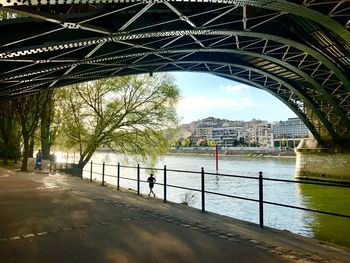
323 227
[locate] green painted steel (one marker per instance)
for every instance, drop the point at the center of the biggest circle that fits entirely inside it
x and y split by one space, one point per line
303 46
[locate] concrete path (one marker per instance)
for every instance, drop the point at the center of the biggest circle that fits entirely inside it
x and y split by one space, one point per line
58 218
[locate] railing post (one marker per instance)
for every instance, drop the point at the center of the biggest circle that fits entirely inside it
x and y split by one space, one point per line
261 201
138 179
91 172
164 183
103 174
118 175
203 190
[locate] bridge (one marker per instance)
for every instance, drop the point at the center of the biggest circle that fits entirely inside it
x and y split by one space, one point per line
298 51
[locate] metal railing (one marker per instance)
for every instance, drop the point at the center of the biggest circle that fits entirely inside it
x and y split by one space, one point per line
202 190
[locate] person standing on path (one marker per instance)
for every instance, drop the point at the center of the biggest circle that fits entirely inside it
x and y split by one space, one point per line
38 160
151 180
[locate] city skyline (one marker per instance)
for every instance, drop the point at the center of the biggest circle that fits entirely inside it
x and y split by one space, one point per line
238 121
204 95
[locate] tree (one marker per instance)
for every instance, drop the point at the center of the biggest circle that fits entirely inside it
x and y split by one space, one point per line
186 142
49 124
283 141
9 132
28 110
129 114
211 143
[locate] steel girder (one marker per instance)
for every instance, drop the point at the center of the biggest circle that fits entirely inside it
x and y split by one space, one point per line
296 50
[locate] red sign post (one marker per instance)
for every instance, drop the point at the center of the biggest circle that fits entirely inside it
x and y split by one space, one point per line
217 158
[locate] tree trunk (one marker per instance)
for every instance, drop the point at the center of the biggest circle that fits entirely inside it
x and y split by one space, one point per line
45 137
24 166
79 167
81 164
45 123
31 147
83 160
8 131
5 156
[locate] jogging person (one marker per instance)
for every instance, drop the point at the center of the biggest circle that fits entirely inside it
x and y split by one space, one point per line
151 180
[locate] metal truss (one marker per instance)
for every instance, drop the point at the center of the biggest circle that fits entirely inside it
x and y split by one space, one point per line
299 51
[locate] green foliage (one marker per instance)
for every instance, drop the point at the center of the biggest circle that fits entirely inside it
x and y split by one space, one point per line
211 143
10 15
132 114
9 132
28 111
50 122
172 135
186 142
283 141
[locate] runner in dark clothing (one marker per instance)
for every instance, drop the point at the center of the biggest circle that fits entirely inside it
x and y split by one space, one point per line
151 180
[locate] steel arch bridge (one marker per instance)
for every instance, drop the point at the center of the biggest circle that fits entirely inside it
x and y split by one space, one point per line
298 51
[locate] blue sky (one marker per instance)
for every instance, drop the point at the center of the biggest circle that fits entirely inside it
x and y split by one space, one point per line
204 95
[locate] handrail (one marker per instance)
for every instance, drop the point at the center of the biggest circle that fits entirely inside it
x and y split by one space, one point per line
259 178
343 185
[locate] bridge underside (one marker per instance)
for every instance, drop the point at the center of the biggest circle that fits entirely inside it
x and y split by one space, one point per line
299 51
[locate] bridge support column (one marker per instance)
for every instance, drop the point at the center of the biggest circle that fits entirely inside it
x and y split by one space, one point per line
322 163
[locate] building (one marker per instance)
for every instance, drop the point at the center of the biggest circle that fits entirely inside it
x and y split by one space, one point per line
227 136
258 133
289 133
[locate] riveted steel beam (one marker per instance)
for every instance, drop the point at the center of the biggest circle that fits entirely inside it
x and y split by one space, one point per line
278 5
64 23
304 97
316 85
319 72
124 36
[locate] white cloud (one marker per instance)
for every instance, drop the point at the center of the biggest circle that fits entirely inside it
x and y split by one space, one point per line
238 87
198 103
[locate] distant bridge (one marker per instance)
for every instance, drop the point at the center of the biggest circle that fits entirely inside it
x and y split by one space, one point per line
298 51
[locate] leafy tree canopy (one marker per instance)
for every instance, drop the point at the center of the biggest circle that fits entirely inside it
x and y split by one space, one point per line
131 114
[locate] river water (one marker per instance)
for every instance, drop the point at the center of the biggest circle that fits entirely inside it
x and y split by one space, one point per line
324 227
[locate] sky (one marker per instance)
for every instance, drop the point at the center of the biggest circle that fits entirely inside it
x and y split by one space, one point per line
204 95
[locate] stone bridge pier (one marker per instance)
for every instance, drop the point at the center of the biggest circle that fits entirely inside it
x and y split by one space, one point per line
314 161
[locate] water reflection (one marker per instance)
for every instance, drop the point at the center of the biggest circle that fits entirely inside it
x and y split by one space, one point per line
330 199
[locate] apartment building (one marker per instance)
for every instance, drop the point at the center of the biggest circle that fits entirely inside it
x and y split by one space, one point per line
289 133
250 133
227 136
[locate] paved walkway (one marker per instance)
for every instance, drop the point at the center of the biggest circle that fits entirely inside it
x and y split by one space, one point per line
58 218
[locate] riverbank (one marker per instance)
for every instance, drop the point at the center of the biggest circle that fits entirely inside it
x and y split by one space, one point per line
101 224
286 155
